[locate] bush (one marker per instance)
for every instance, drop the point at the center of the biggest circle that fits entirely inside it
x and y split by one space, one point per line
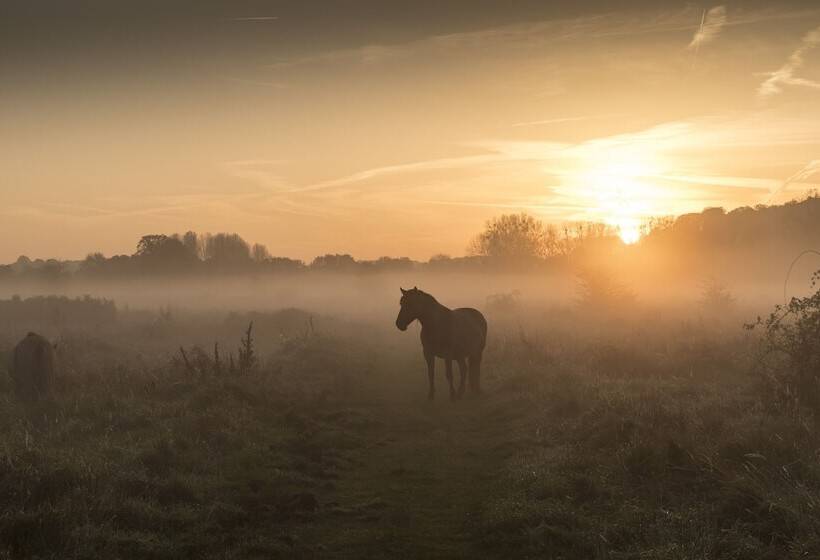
715 297
599 291
504 302
790 358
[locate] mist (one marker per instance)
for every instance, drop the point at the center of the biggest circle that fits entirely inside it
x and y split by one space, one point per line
435 280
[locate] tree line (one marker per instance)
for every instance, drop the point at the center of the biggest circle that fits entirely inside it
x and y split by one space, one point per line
510 241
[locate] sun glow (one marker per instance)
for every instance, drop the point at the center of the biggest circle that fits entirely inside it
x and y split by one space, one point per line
619 195
629 231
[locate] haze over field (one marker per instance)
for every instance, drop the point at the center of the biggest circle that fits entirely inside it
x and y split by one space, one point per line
461 279
393 128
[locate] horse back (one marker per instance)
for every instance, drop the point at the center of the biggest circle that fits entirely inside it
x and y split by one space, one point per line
471 327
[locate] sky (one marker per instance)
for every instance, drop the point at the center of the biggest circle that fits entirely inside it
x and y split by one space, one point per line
393 128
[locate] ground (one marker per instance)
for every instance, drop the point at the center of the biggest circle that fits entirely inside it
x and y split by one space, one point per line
420 482
210 469
645 443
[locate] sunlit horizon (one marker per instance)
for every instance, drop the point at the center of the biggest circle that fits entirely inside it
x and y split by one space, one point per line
400 132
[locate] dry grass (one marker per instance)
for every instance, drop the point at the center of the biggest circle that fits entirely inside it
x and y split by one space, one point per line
601 436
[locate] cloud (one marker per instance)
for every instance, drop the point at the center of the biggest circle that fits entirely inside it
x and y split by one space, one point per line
785 75
559 120
264 173
255 18
263 83
531 36
682 140
558 210
811 169
711 24
808 171
672 167
523 35
426 165
722 181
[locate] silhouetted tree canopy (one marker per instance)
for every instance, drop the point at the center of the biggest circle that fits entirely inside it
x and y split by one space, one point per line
21 265
335 263
192 243
763 237
161 252
512 237
227 250
284 264
260 253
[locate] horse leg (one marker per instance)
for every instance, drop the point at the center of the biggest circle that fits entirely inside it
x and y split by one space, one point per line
431 370
475 374
448 364
462 370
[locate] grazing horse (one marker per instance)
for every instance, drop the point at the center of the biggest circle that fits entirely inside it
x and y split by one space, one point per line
451 334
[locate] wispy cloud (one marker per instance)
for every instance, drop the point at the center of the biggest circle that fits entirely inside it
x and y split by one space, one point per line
426 165
693 138
810 170
255 18
263 173
721 181
254 162
263 83
807 172
559 120
785 75
711 24
526 35
532 35
556 210
673 167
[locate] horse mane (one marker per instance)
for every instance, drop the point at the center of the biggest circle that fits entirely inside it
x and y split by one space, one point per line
427 296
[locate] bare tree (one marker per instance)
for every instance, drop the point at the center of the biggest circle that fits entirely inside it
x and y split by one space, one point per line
516 237
260 253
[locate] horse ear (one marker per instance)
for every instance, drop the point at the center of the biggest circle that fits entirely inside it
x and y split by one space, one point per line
403 291
415 288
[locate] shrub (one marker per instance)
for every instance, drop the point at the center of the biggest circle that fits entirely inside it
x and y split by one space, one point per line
598 290
504 302
790 357
715 297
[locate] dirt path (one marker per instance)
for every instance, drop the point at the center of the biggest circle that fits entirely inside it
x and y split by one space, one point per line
415 488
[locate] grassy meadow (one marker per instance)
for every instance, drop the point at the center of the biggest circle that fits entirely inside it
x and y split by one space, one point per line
609 429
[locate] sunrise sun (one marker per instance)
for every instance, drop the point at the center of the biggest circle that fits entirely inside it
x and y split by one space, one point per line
618 193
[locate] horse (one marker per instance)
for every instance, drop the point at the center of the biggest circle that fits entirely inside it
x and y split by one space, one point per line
451 334
33 364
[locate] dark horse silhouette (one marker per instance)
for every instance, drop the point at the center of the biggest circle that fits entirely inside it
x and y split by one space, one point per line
451 334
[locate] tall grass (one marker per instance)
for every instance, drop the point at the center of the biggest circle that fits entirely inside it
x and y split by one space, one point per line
607 432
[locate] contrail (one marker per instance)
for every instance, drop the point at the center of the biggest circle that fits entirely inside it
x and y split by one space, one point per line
811 169
712 21
697 43
255 18
570 119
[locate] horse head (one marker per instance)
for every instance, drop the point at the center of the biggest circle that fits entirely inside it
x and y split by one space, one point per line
413 303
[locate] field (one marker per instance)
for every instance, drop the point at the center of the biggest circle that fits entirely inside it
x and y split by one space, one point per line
603 433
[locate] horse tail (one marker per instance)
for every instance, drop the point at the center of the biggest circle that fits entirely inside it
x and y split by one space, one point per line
481 323
474 362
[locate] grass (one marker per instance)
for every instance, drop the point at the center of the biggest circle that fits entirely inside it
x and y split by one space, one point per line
645 441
